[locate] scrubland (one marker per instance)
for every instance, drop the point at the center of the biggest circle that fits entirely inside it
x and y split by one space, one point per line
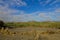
34 24
31 31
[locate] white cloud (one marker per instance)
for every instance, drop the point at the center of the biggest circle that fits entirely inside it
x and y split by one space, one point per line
18 2
43 3
29 17
6 12
13 2
57 10
48 1
5 15
45 16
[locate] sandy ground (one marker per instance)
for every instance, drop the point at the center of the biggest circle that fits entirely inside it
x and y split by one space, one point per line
30 34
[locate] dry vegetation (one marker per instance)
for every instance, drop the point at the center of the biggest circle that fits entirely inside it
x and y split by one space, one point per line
8 34
34 33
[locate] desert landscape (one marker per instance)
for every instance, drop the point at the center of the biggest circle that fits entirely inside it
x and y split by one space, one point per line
30 32
29 19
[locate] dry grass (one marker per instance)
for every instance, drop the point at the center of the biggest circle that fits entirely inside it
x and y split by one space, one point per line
28 35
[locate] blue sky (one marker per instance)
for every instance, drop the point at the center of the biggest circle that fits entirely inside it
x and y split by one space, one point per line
29 10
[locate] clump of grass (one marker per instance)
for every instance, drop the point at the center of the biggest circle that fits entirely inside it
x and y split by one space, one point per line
50 32
6 32
2 31
42 38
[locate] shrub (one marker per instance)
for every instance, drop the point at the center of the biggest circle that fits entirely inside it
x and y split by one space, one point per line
2 24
